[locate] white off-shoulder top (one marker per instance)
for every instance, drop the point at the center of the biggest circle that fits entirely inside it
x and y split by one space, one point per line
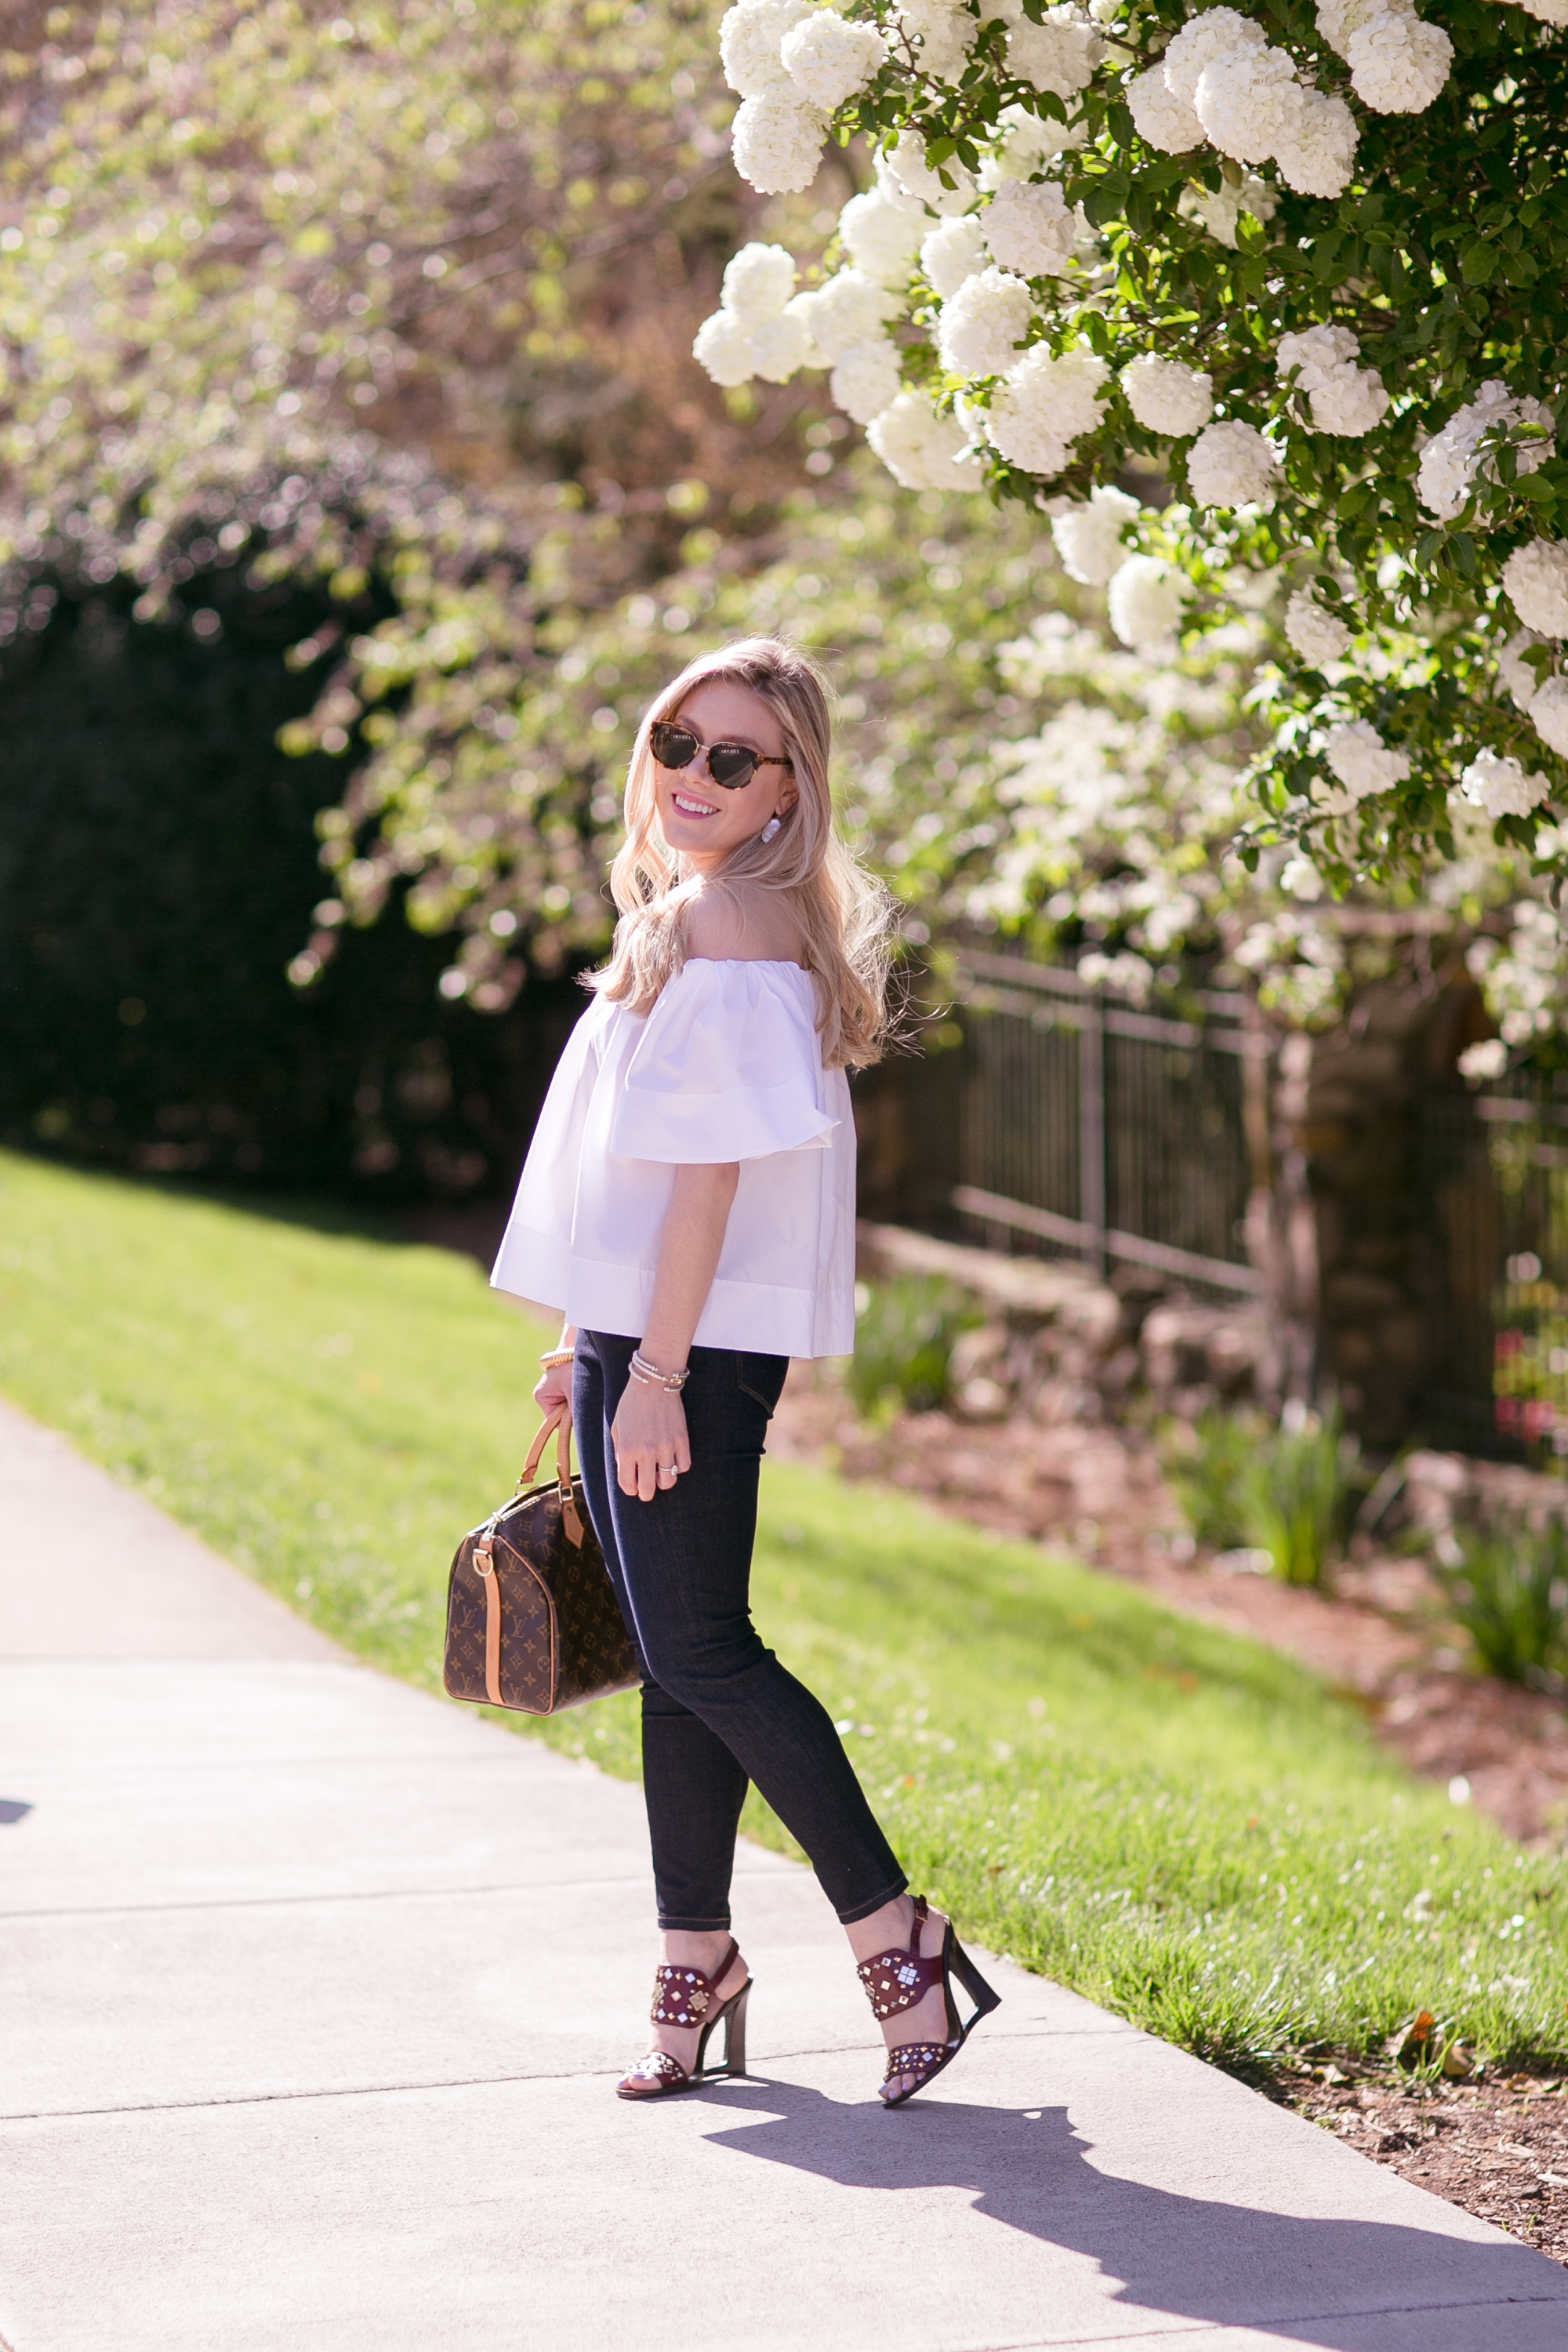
728 1065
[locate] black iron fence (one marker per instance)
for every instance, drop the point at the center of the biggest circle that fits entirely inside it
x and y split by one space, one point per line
1070 1121
1104 1131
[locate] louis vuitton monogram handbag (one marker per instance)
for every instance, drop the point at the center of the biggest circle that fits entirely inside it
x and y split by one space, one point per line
532 1621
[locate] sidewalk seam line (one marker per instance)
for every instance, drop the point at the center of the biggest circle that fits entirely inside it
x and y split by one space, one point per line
394 2090
280 1902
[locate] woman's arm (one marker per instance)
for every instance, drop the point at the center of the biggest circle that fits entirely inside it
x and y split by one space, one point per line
650 1429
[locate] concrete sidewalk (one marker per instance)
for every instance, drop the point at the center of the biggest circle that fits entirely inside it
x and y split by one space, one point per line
312 1990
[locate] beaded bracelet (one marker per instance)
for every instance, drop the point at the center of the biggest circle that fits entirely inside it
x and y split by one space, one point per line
652 1377
558 1356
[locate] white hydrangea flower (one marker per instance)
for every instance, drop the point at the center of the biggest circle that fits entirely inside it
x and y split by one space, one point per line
1550 12
1398 63
849 309
1059 56
750 38
1247 101
1087 535
777 142
1317 354
758 281
828 60
1220 208
1318 636
723 346
1147 597
944 32
1316 153
1231 465
865 379
1515 672
1168 396
1044 406
1343 398
751 333
1338 19
920 449
1161 118
1027 227
1450 461
1350 404
1027 143
952 252
1501 787
1360 760
1549 715
979 330
779 346
883 234
1301 879
1203 38
1487 1059
904 171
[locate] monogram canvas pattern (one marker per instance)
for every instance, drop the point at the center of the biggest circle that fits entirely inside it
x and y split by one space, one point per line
562 1639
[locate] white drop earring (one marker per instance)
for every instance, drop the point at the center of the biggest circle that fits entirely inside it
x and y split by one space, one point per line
773 828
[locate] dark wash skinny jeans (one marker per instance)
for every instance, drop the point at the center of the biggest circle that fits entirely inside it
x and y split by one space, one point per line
718 1708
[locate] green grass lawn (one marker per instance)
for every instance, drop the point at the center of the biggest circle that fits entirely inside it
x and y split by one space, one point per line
1176 1822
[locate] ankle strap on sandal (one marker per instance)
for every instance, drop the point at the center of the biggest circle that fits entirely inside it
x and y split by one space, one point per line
896 1980
686 1996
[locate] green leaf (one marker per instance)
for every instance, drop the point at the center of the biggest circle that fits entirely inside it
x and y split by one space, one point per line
1326 255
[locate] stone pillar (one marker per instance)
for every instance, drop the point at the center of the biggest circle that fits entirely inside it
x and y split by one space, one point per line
1362 1224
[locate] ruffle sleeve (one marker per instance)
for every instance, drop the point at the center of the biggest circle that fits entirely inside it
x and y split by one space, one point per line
729 1067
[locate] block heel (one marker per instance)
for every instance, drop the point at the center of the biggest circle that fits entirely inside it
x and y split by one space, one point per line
734 2016
982 1994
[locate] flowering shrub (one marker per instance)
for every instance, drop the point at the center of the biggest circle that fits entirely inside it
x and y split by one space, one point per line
1310 265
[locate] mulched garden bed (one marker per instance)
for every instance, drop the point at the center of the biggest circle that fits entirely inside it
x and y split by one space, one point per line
1498 2151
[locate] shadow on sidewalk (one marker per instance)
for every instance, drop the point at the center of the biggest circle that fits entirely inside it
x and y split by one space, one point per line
1228 2264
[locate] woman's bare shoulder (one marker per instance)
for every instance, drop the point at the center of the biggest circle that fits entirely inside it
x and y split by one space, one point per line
742 927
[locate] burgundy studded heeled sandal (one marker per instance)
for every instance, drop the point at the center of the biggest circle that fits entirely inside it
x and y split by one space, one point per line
896 1980
689 1996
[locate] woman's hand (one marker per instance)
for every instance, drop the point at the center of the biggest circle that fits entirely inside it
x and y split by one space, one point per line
552 1391
648 1433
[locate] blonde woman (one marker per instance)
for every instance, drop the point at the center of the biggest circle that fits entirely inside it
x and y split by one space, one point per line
688 1203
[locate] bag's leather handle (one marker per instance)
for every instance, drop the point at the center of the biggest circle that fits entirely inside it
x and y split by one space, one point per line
559 1423
552 1422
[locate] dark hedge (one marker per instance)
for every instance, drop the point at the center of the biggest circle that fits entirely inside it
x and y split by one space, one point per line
158 870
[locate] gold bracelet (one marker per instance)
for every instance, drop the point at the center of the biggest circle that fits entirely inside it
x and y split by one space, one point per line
558 1356
652 1377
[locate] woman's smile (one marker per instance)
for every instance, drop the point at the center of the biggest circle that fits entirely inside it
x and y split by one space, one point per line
689 807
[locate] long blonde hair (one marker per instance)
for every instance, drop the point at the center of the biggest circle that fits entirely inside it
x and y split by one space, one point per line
844 915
